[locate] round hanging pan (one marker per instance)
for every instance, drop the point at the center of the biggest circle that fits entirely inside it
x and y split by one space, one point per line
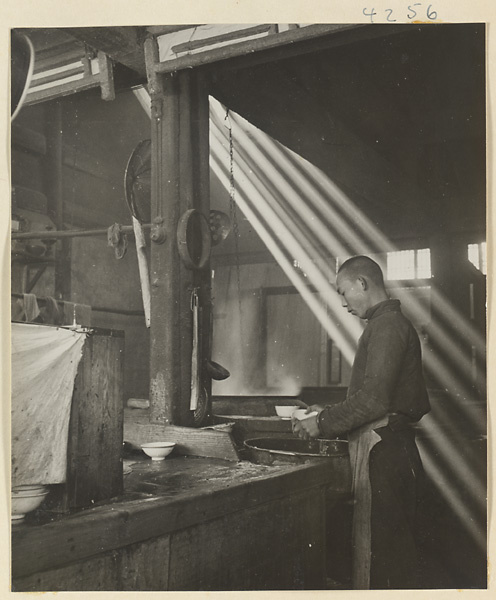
137 181
293 450
21 65
193 239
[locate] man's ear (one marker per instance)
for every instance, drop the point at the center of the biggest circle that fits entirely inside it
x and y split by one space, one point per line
363 282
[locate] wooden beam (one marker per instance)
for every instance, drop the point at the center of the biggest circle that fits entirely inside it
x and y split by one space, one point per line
341 35
65 89
122 44
24 138
30 285
267 42
179 171
94 464
233 36
28 199
161 29
84 162
115 525
208 443
55 195
106 76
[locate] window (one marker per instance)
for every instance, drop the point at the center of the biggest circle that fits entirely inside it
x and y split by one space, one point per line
477 256
409 264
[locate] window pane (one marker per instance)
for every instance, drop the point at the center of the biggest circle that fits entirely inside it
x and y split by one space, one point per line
483 258
473 255
401 265
424 263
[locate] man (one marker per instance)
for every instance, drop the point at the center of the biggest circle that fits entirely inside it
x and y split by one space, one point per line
386 395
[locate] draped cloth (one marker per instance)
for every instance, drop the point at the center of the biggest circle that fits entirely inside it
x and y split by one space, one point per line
44 366
361 442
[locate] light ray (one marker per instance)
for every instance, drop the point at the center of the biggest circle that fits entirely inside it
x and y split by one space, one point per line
314 303
314 274
445 487
296 190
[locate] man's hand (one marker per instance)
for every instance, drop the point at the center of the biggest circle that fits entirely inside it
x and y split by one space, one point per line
315 407
306 428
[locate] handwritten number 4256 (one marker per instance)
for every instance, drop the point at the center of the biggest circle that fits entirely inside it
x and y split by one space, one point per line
412 13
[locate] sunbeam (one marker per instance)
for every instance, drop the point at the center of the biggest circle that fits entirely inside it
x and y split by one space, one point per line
299 213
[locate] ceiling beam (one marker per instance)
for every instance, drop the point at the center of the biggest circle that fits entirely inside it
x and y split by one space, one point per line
336 36
122 44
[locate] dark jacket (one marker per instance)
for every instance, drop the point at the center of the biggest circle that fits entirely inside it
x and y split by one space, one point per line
386 377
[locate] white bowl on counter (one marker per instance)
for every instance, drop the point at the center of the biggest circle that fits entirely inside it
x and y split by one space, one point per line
301 414
285 411
25 499
158 450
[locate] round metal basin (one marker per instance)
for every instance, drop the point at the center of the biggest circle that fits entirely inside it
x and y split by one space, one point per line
293 450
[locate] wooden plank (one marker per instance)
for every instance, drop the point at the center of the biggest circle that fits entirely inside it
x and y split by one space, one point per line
232 36
201 168
50 78
117 525
95 433
145 566
157 30
176 165
106 76
96 574
248 47
58 56
27 199
32 282
341 35
238 551
138 567
24 138
278 545
53 166
166 389
79 160
122 44
190 441
188 280
64 89
54 187
155 83
308 513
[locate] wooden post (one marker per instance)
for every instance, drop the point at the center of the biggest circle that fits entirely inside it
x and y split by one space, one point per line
180 155
55 195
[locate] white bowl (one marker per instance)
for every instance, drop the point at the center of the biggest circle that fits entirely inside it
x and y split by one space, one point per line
25 500
285 411
301 414
28 489
158 450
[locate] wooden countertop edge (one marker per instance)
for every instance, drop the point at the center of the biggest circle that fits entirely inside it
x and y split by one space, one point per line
104 528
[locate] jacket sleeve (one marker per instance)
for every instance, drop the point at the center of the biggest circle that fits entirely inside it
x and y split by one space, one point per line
385 348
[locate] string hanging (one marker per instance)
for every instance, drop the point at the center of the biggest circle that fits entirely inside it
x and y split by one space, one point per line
233 210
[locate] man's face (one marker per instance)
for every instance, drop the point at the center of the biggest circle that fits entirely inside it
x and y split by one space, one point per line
353 295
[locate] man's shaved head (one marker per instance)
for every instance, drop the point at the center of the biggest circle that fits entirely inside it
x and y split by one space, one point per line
362 266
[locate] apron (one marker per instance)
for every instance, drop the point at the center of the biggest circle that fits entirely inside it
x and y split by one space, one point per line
361 441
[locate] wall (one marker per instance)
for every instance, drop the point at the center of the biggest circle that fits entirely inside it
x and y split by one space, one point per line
278 345
97 140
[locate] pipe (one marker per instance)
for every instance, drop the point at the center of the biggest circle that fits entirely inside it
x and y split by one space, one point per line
56 235
106 309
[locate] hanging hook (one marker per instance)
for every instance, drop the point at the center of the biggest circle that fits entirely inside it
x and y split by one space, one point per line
228 119
194 298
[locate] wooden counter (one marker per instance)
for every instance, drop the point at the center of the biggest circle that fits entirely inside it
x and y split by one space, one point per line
189 523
